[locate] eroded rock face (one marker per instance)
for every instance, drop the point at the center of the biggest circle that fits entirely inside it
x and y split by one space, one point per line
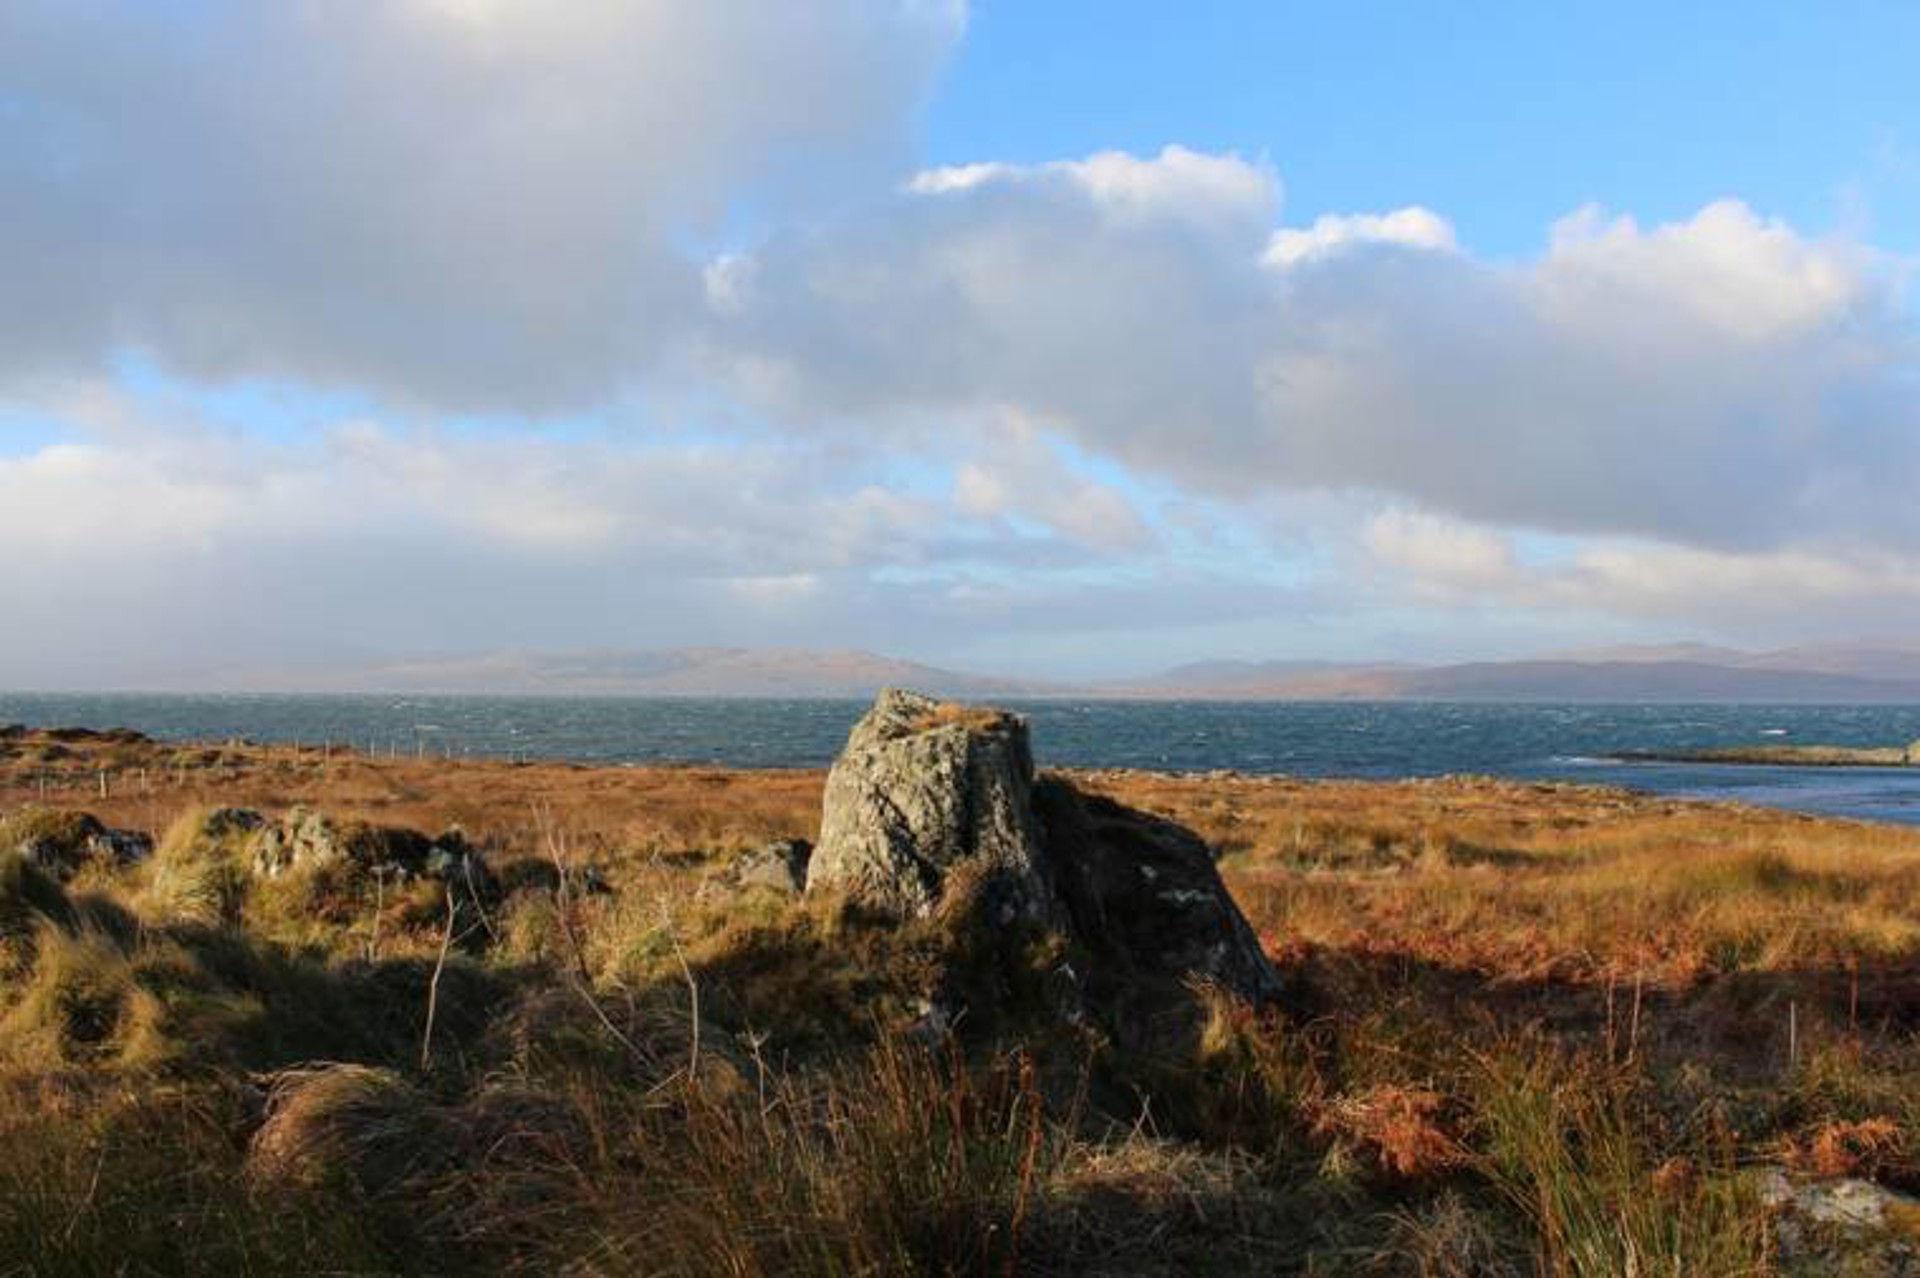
927 792
923 788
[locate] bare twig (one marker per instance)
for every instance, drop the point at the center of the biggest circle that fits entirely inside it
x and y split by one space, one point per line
86 1201
693 991
379 907
1633 1031
433 987
473 894
580 979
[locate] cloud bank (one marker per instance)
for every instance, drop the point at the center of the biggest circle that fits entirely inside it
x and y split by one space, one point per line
462 204
810 391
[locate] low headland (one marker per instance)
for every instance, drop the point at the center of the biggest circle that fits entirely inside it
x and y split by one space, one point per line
292 1010
1781 755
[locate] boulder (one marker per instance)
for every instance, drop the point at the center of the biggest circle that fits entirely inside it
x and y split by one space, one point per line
780 865
929 795
1143 895
923 787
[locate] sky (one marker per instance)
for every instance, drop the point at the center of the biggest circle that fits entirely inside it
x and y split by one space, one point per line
1042 337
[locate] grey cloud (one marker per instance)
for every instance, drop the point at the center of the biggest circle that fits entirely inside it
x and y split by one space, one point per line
463 204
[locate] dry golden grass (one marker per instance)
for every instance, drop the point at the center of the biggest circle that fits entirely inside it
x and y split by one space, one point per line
957 714
1529 1028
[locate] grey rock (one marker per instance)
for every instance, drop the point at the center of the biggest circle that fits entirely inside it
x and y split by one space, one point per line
1143 895
1844 1225
301 839
306 840
921 788
222 822
122 847
926 791
780 865
61 842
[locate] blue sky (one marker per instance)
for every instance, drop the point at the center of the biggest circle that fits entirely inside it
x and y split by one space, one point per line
1055 338
1505 116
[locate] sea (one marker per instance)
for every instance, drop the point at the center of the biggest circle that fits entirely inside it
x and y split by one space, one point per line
1313 739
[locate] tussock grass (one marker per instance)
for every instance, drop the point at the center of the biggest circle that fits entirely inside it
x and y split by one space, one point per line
1566 1143
1528 1030
197 872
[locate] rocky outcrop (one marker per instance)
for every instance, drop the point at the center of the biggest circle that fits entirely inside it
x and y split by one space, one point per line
305 839
932 802
923 787
61 842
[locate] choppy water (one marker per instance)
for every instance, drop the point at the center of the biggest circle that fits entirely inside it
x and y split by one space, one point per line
1318 739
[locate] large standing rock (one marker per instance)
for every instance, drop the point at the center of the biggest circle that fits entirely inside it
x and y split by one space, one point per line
922 788
927 792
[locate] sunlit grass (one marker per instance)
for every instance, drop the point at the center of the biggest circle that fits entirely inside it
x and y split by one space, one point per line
1528 1030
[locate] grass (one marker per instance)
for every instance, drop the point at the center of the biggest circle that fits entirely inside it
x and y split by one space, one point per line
1528 1030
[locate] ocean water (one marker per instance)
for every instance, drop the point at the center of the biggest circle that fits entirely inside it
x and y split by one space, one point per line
1563 742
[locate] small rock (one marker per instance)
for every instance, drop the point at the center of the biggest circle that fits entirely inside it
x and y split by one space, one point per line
222 822
123 847
780 865
306 839
1821 1224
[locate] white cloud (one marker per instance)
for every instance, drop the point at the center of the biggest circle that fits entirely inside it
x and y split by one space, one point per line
1412 227
1721 382
1217 192
1838 589
1441 554
1725 269
1015 474
180 548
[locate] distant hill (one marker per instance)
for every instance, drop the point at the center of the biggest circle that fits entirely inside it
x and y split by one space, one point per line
1669 681
1232 677
1638 679
677 672
1865 672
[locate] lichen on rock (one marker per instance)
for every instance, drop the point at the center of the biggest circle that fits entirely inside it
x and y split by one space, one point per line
921 788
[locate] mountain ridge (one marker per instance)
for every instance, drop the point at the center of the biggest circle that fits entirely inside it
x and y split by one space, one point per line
1853 672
